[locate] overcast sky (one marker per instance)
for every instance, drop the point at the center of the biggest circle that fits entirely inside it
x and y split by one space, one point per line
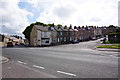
17 14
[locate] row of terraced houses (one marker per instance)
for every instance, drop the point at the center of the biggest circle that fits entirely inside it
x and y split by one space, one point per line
53 35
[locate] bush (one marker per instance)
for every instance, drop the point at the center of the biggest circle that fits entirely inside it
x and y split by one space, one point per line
106 42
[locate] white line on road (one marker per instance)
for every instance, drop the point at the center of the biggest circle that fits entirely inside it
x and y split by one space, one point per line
21 62
114 56
66 73
38 67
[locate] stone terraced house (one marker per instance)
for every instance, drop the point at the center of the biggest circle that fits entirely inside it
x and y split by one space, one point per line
40 36
55 35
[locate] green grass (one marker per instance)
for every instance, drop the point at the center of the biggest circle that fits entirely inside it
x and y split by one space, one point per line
114 33
110 42
106 42
114 46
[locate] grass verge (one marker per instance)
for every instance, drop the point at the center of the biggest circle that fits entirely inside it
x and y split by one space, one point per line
114 46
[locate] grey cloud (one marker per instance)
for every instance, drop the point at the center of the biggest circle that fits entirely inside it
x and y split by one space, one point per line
95 19
7 30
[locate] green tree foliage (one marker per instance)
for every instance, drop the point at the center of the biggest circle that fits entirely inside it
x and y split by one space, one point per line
111 26
39 23
50 25
27 31
59 25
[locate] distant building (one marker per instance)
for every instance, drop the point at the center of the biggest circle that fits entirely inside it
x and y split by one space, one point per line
14 40
6 39
97 32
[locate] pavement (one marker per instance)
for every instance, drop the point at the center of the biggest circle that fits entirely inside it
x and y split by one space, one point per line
107 49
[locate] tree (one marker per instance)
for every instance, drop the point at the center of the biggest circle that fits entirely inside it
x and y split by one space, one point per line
59 25
39 23
111 26
2 38
50 25
27 31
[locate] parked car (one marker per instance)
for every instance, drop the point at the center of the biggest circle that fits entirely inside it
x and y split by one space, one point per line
102 39
10 44
75 41
94 38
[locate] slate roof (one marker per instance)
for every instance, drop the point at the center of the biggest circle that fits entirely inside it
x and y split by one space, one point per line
65 28
51 28
58 28
42 28
75 30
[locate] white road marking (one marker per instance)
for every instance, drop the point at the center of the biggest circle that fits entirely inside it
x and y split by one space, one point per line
32 69
38 67
114 56
21 62
66 73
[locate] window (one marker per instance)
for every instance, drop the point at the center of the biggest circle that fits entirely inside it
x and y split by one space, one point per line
38 40
58 40
45 40
61 39
61 33
52 28
70 38
45 34
64 39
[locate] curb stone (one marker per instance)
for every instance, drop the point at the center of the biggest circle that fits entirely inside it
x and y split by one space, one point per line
106 49
4 60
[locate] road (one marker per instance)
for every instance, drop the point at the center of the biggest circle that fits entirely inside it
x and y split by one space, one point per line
64 61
